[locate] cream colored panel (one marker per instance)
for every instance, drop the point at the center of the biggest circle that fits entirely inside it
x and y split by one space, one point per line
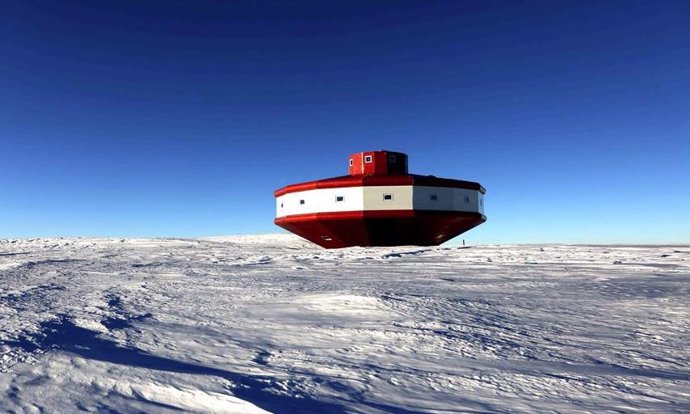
400 197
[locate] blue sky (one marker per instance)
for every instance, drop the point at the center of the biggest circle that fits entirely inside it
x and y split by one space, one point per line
178 118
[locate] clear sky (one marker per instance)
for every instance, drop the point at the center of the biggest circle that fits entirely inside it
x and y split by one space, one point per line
180 118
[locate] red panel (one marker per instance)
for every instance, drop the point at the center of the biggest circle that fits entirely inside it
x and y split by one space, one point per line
381 227
344 181
431 181
356 167
369 167
379 164
397 164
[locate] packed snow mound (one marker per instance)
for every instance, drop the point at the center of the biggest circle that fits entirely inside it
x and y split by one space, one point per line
272 323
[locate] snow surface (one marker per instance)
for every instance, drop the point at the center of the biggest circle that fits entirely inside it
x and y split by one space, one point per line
256 324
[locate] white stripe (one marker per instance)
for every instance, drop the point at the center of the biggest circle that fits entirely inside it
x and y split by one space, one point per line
403 197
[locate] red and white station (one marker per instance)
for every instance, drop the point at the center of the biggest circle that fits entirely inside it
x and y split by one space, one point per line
380 204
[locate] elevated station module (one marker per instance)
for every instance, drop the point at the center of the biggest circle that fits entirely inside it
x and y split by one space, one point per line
380 204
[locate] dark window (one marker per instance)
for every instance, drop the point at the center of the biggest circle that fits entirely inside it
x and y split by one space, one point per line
467 199
387 197
391 158
339 198
368 159
301 201
351 162
433 197
281 204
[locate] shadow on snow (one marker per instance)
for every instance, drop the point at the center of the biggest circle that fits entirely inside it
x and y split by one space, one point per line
63 334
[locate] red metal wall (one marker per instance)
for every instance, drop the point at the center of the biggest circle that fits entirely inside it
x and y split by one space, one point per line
382 163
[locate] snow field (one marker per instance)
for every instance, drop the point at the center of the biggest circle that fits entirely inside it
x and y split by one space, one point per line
275 324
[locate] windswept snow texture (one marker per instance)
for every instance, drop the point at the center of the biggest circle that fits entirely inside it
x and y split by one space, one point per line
274 324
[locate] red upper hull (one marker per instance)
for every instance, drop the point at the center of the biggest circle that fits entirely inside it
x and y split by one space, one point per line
374 180
380 227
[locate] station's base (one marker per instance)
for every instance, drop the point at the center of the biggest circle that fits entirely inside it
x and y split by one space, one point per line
381 227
